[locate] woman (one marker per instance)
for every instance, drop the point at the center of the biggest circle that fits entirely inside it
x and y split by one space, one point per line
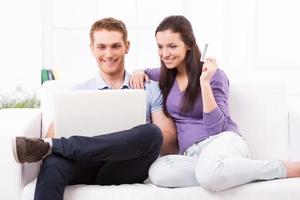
213 154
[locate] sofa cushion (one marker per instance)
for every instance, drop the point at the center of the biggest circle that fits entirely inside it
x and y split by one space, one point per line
294 125
259 108
264 190
48 90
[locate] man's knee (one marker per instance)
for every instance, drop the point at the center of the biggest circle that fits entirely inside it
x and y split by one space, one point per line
153 134
156 133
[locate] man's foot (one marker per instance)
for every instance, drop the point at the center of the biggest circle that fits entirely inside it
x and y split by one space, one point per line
29 149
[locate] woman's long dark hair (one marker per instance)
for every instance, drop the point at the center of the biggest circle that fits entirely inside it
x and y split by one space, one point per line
179 24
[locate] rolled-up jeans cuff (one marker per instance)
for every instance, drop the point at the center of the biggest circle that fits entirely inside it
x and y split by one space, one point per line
283 169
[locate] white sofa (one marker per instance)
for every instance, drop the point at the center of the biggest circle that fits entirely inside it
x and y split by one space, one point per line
259 108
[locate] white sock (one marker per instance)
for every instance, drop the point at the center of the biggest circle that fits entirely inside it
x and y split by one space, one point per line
49 140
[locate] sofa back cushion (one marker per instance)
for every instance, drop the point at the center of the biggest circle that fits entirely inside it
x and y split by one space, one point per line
260 110
48 91
258 107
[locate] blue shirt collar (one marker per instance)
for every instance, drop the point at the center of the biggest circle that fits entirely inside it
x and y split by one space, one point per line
102 85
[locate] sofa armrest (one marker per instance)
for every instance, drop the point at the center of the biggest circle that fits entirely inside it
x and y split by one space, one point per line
21 122
16 122
294 133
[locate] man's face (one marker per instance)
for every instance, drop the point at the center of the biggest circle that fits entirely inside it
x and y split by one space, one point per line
109 49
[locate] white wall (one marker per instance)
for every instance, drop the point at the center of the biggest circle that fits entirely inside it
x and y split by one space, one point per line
20 44
245 36
257 36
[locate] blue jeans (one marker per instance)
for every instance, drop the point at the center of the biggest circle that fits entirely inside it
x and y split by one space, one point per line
112 159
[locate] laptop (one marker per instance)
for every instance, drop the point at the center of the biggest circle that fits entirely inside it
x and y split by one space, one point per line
92 113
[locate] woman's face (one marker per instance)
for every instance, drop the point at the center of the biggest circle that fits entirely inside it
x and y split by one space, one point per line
171 49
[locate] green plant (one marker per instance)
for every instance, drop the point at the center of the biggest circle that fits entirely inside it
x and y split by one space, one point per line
19 99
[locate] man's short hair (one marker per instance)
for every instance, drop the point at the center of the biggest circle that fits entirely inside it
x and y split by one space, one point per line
109 24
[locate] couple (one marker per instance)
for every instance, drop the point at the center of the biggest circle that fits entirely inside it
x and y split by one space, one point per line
193 95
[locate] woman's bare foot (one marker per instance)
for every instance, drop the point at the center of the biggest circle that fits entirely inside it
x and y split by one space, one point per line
292 168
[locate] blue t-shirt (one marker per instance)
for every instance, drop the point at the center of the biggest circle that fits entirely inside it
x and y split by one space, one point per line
154 98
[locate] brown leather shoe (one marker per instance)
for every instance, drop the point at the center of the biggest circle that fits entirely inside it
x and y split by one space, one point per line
29 149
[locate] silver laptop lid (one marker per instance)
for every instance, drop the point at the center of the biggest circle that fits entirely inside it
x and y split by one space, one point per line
91 113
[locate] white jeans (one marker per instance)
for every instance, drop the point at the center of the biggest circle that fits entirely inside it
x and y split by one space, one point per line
217 163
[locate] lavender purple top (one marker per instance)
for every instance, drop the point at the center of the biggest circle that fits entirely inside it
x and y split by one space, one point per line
196 125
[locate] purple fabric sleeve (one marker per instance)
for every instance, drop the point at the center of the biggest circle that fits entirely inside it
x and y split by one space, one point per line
217 120
153 73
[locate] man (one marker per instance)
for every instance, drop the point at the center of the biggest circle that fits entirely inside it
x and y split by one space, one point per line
116 158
